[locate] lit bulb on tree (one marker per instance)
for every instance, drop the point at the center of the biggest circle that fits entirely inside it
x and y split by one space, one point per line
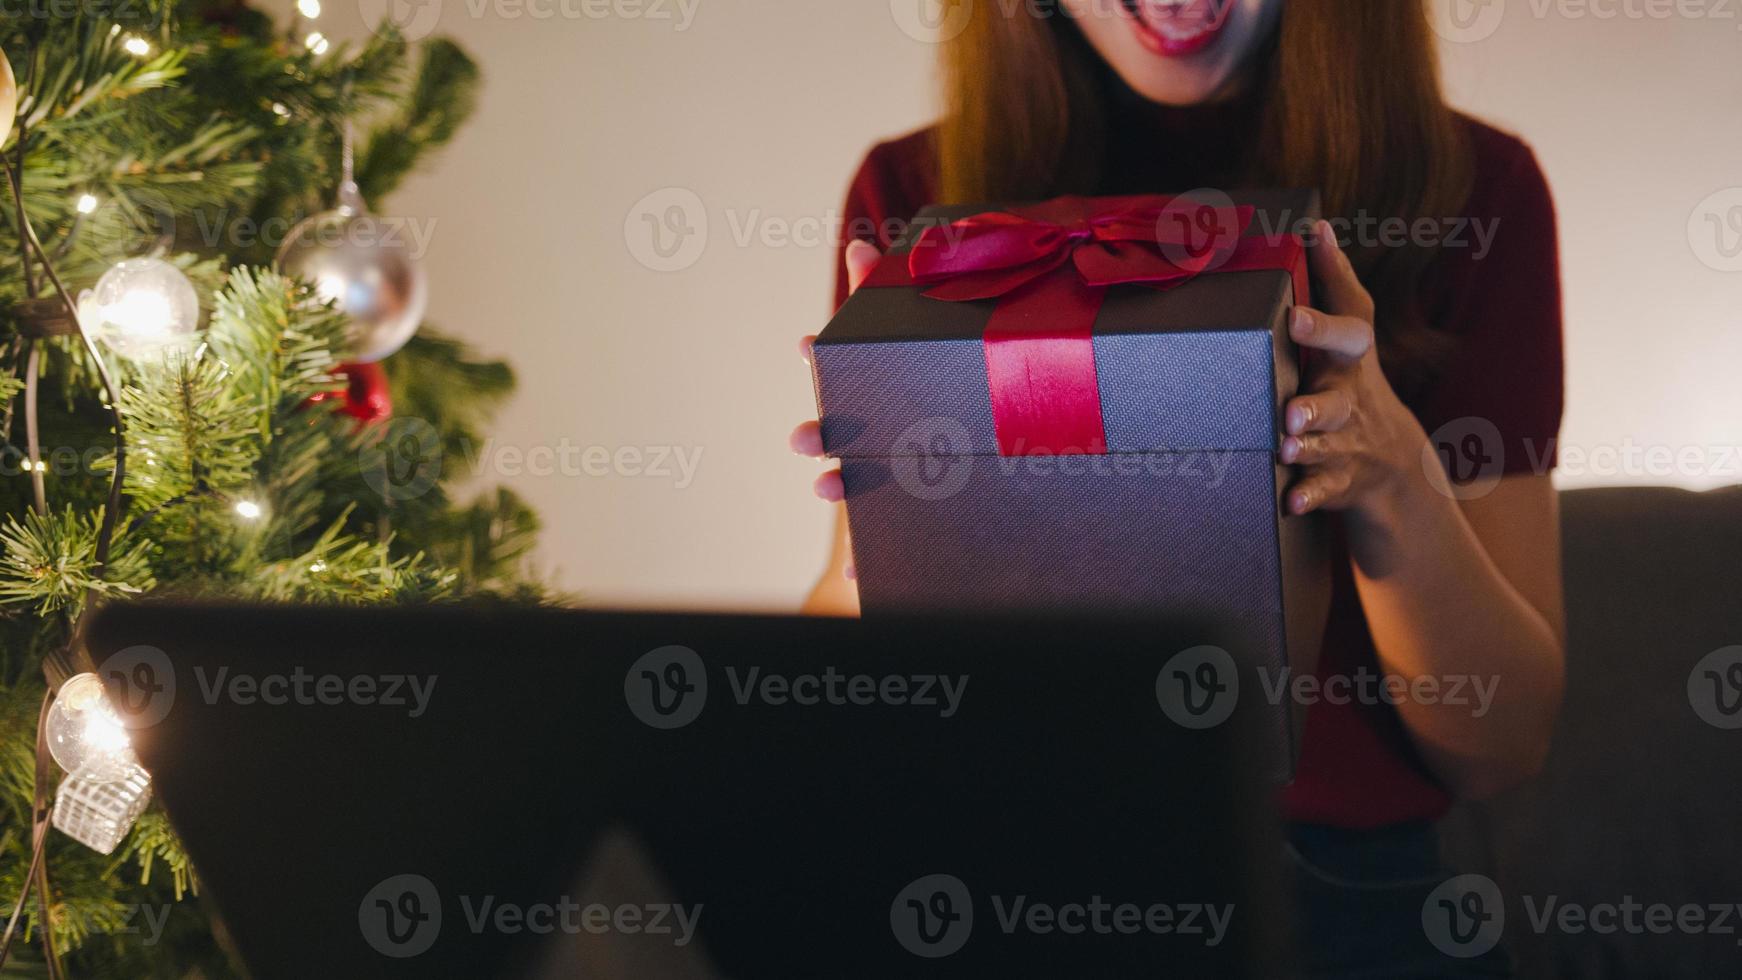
8 98
358 262
141 308
83 729
106 789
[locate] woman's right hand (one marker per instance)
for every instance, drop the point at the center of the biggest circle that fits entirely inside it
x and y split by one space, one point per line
835 594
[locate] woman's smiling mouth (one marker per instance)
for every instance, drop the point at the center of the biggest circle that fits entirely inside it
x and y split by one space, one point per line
1177 28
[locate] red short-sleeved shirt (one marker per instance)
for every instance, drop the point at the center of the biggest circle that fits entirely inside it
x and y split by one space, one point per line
1497 293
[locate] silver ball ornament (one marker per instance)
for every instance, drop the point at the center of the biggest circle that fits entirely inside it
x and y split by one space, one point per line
365 266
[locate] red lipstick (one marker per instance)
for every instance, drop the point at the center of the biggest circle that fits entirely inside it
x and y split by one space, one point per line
1178 28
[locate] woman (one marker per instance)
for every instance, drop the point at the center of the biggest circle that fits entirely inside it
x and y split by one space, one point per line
1441 328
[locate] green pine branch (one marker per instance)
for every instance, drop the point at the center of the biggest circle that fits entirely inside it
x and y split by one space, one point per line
441 98
49 563
204 147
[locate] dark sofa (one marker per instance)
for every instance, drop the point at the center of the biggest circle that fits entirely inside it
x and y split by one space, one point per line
1641 800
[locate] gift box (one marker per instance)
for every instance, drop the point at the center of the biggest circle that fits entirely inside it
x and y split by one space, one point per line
1075 406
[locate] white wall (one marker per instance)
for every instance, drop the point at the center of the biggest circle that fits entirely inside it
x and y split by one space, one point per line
761 108
1636 120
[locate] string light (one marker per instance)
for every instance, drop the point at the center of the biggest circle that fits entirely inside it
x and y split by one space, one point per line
309 8
137 46
316 42
87 203
105 789
83 728
141 307
248 509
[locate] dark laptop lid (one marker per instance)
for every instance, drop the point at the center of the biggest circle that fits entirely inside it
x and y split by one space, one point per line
494 792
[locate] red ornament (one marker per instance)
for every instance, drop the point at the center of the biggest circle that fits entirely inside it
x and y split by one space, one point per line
365 397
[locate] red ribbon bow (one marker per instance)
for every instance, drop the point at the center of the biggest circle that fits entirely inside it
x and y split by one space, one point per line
1049 266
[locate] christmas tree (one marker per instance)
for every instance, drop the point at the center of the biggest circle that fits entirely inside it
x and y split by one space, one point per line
151 146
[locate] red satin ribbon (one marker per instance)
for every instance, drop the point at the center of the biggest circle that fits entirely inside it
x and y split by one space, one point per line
1050 266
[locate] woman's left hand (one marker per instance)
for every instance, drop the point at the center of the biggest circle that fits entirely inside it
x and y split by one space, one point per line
1353 438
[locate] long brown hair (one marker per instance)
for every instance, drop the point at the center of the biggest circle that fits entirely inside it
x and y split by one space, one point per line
1351 105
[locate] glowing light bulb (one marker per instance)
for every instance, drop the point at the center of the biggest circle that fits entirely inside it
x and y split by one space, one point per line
140 308
309 8
332 287
138 47
83 728
248 509
87 203
316 42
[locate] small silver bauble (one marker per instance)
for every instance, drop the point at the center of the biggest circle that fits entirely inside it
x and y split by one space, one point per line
365 266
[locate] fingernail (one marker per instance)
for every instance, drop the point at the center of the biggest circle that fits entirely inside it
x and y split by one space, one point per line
1303 322
1290 449
1327 234
1300 501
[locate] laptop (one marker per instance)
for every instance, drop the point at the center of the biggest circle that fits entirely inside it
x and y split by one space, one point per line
495 792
